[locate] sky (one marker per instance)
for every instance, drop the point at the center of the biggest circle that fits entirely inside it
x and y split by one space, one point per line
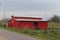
34 8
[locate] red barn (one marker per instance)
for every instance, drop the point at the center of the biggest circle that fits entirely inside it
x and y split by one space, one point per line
27 23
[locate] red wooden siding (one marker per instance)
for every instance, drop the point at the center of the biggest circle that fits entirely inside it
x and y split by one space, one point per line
43 25
25 25
21 25
10 24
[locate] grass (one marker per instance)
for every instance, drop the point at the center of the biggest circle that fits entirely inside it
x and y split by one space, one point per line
55 25
41 34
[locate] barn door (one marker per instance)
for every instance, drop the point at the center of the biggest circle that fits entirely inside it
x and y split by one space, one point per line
35 25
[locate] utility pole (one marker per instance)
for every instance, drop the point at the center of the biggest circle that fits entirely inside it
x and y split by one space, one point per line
0 3
4 17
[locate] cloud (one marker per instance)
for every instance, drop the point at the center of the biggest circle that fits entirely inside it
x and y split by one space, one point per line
28 4
30 7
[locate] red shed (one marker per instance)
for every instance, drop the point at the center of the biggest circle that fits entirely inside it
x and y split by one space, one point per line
27 23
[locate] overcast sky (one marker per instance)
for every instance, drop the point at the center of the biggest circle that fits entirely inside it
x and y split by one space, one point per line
35 8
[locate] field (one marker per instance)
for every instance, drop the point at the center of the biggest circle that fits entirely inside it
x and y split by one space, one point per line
54 25
52 34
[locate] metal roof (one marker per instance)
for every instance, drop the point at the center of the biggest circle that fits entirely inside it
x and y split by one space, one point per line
27 20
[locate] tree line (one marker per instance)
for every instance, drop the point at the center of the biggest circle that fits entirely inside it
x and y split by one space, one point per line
55 19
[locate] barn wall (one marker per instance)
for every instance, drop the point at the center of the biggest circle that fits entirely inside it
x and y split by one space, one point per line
10 24
43 25
24 25
27 24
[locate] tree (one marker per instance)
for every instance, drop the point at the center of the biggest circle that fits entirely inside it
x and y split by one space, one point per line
55 19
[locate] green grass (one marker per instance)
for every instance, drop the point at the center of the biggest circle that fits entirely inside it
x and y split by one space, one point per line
55 25
40 34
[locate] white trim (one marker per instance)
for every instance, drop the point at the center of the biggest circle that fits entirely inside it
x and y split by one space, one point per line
27 20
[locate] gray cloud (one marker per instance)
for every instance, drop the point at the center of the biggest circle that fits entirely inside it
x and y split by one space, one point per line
28 4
